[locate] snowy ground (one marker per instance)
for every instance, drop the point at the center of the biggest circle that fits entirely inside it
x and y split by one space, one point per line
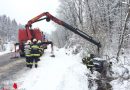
64 72
121 74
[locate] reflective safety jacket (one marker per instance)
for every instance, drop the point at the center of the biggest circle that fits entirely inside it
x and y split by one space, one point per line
27 50
89 62
41 49
35 50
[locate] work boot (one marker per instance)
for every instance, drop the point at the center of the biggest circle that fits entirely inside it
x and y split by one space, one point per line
30 66
27 65
36 65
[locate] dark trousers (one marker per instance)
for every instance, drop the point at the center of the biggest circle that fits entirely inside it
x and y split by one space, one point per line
90 68
28 60
34 61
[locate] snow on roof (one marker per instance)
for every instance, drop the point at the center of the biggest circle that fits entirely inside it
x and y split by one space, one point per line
99 59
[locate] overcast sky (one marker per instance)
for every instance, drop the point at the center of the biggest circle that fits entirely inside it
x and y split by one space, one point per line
24 10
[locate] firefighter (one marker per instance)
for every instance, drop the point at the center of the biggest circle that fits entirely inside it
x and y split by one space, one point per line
35 52
27 50
41 47
89 62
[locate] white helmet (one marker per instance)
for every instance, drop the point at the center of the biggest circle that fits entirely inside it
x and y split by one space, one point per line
34 40
29 42
39 41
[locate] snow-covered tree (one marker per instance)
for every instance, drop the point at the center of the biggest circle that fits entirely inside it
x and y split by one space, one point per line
104 20
8 30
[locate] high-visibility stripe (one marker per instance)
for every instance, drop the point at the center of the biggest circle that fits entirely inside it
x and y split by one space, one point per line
35 54
27 49
29 55
35 46
89 61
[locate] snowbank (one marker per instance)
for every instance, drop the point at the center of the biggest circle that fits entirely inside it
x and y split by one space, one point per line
121 84
121 74
64 72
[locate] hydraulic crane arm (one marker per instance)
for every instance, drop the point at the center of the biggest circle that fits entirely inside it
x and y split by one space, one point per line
56 20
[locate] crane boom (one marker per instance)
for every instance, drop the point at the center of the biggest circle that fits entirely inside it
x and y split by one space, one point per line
62 23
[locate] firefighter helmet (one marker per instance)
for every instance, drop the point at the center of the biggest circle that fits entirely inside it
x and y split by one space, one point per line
39 41
29 42
34 40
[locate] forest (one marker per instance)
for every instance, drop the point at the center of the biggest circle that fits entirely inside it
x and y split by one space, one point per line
107 21
8 31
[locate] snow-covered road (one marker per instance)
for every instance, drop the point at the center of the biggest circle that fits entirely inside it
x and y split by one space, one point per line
64 72
10 67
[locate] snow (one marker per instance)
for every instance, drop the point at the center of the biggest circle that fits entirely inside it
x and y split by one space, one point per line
64 72
4 52
9 48
121 73
99 59
121 85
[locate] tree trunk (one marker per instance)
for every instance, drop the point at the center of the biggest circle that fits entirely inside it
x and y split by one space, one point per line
121 40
